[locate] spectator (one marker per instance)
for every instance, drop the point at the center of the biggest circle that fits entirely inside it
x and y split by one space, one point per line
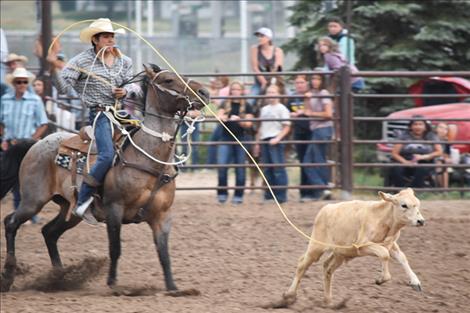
272 150
23 116
265 58
321 130
334 60
301 128
55 55
444 132
414 153
230 112
221 87
338 33
3 59
12 62
15 61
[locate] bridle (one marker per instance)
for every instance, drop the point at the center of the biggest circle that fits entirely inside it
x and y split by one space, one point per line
181 117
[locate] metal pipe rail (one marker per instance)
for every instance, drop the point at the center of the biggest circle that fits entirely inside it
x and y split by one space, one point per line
259 187
251 165
433 189
251 142
386 165
391 119
400 95
411 74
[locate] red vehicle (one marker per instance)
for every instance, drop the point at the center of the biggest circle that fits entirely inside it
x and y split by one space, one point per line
432 108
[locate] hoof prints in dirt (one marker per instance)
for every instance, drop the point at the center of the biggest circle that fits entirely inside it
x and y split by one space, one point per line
72 277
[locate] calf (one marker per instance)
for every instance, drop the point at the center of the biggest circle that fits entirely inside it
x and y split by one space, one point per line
350 229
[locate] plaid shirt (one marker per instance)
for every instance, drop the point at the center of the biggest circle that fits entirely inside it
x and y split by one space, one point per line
21 117
97 93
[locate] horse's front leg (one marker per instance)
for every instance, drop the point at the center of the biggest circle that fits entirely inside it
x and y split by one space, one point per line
161 231
114 223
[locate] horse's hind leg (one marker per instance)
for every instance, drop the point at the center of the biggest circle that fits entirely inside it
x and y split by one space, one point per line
161 232
13 221
55 228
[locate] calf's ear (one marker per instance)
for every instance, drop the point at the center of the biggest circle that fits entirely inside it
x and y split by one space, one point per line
386 196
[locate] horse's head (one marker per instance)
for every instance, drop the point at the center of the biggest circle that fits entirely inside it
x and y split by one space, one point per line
171 95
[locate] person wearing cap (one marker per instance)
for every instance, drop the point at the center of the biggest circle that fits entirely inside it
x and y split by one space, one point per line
265 57
85 74
22 115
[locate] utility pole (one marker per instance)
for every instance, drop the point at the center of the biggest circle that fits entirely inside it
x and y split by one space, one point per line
46 38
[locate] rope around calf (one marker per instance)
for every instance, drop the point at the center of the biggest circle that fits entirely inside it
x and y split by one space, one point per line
353 246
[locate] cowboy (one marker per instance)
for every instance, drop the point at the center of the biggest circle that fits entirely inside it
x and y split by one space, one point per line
96 75
22 115
12 62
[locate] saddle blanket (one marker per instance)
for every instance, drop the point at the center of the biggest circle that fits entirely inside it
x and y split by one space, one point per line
65 161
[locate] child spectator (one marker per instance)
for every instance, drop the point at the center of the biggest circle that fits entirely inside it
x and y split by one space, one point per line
334 60
272 150
301 128
321 130
230 112
338 33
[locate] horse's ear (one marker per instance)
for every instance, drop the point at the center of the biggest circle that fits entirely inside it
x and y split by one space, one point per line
155 68
149 71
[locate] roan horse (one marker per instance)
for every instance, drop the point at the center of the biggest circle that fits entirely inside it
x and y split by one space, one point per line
126 190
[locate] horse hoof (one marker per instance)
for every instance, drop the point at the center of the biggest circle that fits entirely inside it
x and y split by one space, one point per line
183 293
417 287
111 282
6 283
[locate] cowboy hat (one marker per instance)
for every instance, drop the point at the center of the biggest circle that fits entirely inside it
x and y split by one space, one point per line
19 72
101 25
15 57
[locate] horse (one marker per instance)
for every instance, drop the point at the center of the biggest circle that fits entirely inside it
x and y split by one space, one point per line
136 184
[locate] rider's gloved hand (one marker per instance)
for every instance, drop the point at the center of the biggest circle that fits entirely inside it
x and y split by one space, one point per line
119 92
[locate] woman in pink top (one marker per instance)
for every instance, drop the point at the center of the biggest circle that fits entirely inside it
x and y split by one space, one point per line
334 60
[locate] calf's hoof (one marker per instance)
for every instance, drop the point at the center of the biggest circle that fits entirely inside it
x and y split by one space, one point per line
417 287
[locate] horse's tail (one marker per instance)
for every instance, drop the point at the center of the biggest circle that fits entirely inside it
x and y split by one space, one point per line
10 162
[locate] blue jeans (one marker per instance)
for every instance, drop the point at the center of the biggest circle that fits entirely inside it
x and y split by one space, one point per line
227 154
212 150
316 153
276 176
301 150
255 91
194 137
104 161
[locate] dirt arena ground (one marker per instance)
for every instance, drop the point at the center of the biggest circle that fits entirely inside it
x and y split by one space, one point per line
240 258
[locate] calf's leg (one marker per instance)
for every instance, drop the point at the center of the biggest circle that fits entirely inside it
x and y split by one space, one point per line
329 267
382 253
313 254
400 257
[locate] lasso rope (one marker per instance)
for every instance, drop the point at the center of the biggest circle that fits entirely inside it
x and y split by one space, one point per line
353 246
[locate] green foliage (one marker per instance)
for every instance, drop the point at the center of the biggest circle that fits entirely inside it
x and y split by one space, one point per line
413 35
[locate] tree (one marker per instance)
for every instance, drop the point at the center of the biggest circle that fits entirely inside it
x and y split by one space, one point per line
390 35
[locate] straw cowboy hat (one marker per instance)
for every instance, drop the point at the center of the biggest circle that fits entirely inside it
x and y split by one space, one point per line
15 57
19 72
101 25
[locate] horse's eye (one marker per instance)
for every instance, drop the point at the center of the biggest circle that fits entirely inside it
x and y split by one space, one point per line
168 81
404 206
